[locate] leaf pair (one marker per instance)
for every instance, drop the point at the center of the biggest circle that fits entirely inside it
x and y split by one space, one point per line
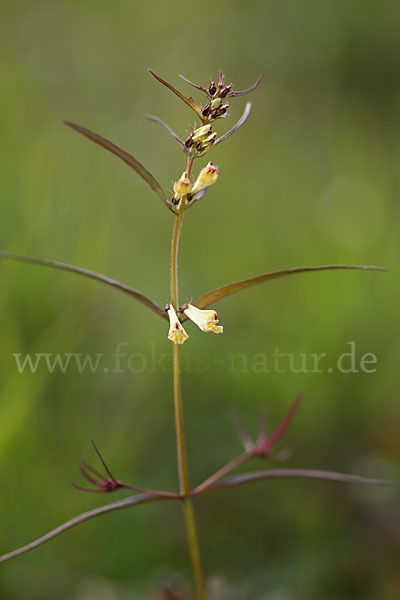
180 142
204 301
216 482
229 94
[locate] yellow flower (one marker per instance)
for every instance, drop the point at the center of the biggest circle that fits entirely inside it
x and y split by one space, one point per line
176 332
208 176
205 319
182 186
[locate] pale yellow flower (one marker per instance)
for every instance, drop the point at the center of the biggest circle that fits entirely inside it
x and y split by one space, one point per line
182 186
176 332
208 176
205 319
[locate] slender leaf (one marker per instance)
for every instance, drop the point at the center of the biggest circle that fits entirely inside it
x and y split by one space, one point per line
125 156
242 119
250 89
218 475
189 101
131 501
221 83
198 87
198 196
236 480
168 128
91 274
265 441
230 288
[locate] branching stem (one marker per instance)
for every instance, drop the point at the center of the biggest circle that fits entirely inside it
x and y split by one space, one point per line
230 466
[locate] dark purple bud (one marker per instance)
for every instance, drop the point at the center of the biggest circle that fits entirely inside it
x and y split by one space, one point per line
189 141
206 109
226 91
213 88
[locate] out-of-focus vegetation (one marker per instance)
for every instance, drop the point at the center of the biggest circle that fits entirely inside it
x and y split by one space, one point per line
312 178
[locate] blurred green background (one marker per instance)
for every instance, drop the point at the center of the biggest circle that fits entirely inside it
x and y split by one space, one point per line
312 178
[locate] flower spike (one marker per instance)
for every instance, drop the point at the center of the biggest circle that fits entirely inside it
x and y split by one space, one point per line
205 319
176 332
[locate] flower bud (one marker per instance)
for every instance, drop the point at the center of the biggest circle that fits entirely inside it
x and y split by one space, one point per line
216 103
226 90
189 141
209 140
205 111
201 133
213 88
208 176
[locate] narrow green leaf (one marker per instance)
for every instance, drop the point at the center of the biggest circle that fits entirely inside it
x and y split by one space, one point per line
125 503
125 156
168 128
230 288
91 274
243 92
240 122
189 101
235 480
198 87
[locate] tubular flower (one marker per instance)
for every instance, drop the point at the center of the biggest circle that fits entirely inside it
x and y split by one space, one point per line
205 319
182 186
176 332
207 176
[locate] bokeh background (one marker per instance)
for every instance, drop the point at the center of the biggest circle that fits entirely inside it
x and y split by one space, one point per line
312 178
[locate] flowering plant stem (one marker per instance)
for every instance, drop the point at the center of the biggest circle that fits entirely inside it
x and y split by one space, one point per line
185 194
187 504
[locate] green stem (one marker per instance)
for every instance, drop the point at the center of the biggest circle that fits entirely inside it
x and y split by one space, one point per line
179 425
176 234
191 533
184 484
